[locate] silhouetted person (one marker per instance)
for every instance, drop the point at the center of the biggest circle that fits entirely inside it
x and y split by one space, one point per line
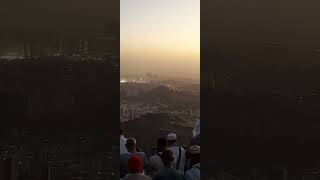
135 166
123 140
155 163
168 172
194 172
178 152
131 145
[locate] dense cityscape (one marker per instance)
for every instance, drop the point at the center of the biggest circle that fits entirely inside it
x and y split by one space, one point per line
159 106
75 155
54 109
146 94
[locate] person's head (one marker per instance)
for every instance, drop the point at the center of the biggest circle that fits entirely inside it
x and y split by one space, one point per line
161 144
138 149
194 154
131 144
135 165
121 131
172 138
167 158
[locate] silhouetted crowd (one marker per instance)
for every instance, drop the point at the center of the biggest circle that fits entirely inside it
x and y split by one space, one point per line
170 162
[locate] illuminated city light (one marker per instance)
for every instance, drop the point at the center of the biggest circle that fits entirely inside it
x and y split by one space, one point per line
133 81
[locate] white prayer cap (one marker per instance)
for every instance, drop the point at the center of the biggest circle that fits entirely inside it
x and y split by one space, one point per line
194 149
172 136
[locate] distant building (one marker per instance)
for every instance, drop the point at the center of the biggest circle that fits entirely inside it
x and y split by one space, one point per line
131 114
11 168
121 111
26 50
84 48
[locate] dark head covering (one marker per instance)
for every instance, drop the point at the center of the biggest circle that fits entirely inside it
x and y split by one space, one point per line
167 157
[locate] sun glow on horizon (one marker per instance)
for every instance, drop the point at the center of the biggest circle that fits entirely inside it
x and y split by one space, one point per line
162 33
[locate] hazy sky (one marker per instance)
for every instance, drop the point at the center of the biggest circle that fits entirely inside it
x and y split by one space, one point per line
161 36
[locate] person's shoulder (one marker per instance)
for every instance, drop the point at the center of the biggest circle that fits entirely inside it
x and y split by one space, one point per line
122 137
171 148
188 173
141 154
153 157
125 155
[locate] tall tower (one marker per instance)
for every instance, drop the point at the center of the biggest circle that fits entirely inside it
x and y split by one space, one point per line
29 49
84 48
131 114
20 52
26 49
44 170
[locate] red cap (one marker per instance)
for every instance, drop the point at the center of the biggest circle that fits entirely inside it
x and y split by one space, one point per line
135 165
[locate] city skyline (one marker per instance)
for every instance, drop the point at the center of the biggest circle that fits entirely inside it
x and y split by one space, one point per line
161 37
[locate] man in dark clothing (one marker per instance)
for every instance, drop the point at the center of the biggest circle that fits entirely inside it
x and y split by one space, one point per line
194 172
168 172
155 163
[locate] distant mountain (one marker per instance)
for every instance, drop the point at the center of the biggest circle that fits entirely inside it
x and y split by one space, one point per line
162 91
169 96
